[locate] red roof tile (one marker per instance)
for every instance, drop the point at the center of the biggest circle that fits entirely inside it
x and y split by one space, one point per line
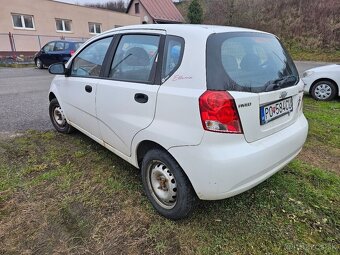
162 10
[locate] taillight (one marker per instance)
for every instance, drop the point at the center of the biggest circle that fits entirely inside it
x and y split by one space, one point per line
72 52
219 113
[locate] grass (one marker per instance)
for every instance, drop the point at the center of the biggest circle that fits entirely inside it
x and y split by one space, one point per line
17 65
67 194
315 55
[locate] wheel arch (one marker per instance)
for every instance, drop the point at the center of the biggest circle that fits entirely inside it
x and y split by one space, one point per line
324 79
146 145
51 96
143 147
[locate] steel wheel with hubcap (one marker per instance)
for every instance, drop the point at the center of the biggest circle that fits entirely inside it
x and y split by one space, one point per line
324 91
162 184
166 186
58 118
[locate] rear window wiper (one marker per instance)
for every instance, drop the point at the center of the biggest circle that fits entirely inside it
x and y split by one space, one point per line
280 83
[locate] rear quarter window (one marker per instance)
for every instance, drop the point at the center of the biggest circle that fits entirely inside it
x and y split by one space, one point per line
173 54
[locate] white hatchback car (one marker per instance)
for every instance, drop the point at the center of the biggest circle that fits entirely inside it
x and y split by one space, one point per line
205 112
323 83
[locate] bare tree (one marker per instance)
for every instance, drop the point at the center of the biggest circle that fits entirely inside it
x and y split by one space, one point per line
309 24
118 5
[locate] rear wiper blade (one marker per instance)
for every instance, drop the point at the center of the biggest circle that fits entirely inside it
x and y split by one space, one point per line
280 83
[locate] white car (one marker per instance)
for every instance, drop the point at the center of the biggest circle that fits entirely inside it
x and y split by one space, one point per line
205 112
323 83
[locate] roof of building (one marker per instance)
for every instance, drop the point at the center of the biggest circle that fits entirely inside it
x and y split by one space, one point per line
161 10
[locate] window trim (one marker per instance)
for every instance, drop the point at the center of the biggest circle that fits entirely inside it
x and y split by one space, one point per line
101 76
156 79
96 32
182 41
63 25
23 21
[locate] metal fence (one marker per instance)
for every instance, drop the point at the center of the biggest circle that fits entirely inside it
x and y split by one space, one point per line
21 47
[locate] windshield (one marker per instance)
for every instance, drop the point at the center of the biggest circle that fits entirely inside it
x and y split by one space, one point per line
248 61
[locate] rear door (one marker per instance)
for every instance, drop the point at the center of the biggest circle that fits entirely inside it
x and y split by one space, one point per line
46 53
126 100
59 51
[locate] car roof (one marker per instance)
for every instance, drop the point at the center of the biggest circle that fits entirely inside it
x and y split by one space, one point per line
66 41
204 30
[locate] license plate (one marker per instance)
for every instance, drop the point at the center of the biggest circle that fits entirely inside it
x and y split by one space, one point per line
275 110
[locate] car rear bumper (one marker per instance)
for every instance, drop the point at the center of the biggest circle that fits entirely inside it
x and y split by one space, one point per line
226 165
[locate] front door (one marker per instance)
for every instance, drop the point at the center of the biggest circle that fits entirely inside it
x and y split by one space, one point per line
126 100
78 92
46 54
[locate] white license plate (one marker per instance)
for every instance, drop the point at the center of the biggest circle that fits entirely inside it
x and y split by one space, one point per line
275 110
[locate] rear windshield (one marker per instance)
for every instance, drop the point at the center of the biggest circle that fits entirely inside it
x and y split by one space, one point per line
248 61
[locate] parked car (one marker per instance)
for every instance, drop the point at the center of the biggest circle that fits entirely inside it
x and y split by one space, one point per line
205 112
55 52
323 82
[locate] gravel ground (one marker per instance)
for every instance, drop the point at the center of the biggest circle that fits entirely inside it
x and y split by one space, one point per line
23 99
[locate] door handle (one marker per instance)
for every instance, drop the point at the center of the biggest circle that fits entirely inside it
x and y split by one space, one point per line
88 88
141 98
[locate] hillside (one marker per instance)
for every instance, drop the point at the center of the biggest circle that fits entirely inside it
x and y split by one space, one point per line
305 26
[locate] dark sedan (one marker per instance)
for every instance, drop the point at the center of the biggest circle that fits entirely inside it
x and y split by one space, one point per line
54 52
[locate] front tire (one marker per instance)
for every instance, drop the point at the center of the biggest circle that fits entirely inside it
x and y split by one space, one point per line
166 186
324 90
58 118
39 64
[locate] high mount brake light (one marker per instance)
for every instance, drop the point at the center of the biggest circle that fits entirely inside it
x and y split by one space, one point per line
219 112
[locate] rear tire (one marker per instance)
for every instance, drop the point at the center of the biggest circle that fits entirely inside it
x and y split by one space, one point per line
58 118
39 63
166 186
324 90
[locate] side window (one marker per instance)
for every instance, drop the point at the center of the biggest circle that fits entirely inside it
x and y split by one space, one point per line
88 62
67 46
49 47
135 58
78 44
59 46
174 47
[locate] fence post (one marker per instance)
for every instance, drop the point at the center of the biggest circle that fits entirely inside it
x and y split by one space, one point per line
11 41
39 42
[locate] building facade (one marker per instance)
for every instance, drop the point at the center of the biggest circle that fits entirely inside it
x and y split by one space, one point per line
152 11
33 23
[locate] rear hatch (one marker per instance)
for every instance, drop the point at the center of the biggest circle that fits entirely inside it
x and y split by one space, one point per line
261 77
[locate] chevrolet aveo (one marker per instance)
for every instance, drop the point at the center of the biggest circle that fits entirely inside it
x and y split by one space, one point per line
205 112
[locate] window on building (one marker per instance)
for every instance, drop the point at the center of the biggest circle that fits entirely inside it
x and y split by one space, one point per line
23 21
136 8
63 25
95 28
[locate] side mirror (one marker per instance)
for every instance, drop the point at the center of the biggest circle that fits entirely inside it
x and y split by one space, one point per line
57 68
